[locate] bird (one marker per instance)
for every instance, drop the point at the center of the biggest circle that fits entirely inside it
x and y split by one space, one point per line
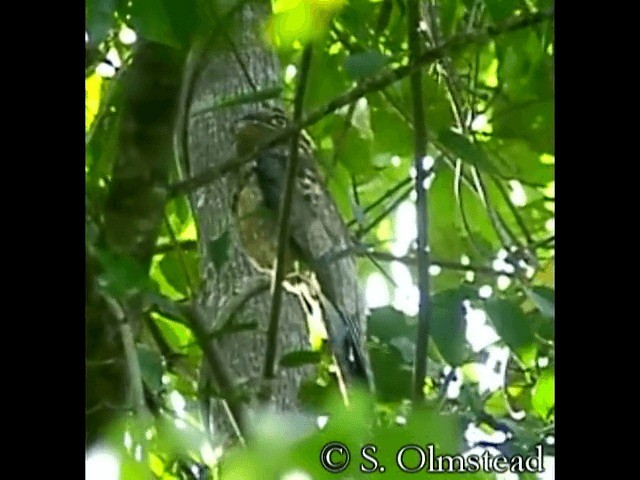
319 236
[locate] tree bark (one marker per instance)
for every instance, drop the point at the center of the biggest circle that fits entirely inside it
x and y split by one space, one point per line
234 64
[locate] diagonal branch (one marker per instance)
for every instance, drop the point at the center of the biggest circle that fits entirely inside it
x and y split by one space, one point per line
284 229
373 84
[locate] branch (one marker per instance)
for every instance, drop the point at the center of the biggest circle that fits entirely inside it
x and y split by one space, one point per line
214 361
284 229
384 214
375 83
184 245
136 387
422 217
381 199
251 287
444 264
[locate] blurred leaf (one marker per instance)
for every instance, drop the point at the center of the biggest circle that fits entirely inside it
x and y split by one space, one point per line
151 21
355 152
391 134
543 298
151 367
296 22
122 275
470 153
438 114
100 19
326 79
513 327
501 9
543 395
531 121
514 159
496 405
173 270
365 64
449 326
545 274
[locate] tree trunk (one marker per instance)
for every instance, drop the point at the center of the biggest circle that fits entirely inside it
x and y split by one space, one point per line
236 63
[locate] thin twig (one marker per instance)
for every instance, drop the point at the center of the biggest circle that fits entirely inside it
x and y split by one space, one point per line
216 367
444 264
136 387
284 229
251 287
184 245
375 83
364 230
422 220
381 199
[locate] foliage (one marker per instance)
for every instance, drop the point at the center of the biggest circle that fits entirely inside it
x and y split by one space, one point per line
489 115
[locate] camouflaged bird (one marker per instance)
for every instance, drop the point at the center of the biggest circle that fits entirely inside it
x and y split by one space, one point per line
317 234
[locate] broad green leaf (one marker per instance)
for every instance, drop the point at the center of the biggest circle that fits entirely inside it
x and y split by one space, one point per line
100 19
501 9
530 121
151 20
365 64
296 22
543 298
514 159
543 395
387 323
496 405
449 325
179 269
324 85
354 152
513 327
391 133
122 275
151 367
437 108
470 153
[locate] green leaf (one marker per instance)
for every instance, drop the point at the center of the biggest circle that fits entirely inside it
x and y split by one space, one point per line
151 21
354 152
122 275
501 9
449 325
529 121
543 395
470 153
514 159
392 135
100 19
496 405
326 79
543 297
365 64
437 108
151 367
219 250
513 327
299 358
393 377
387 323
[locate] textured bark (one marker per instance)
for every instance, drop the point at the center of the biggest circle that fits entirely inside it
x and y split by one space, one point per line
211 142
